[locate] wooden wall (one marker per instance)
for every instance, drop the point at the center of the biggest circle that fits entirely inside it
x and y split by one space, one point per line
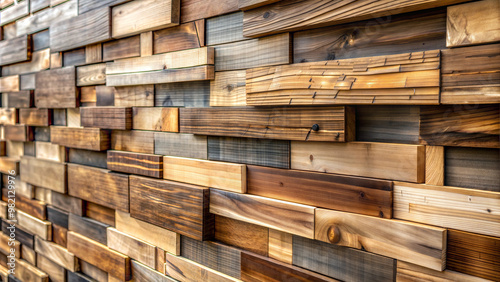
250 140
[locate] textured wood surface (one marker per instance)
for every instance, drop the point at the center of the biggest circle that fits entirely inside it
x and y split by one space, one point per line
181 208
21 99
226 176
9 116
345 193
180 145
157 119
434 165
243 235
55 272
86 157
280 246
67 203
183 94
43 19
44 173
85 6
35 117
185 270
32 207
182 37
14 245
132 247
86 182
10 83
93 53
100 213
228 89
14 12
82 138
408 272
8 164
135 163
225 29
133 141
60 235
27 272
19 133
134 96
199 9
146 43
57 254
40 60
15 50
121 49
106 117
25 238
91 75
141 272
56 88
93 272
89 228
51 152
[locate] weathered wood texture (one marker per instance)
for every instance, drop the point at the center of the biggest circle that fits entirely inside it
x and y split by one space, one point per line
8 116
19 132
280 246
180 145
14 12
228 89
15 50
57 254
40 60
135 163
27 272
85 6
132 247
141 272
183 94
10 83
225 29
89 228
82 138
56 88
67 203
121 49
35 117
434 165
106 117
35 226
157 119
199 9
91 75
411 78
44 173
243 235
55 272
408 272
21 99
100 213
133 141
181 208
182 37
43 19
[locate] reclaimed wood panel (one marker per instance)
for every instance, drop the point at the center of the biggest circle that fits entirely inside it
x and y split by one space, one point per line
133 141
43 19
180 145
182 37
57 254
21 99
168 208
280 246
82 138
100 213
366 196
252 4
185 270
67 203
136 163
134 96
379 160
183 94
146 43
19 132
24 271
198 9
226 176
26 239
106 117
85 6
408 272
116 264
35 117
15 50
37 5
91 75
47 174
84 29
74 57
40 60
10 84
243 235
132 247
228 89
56 88
105 96
93 272
90 158
33 225
14 247
465 126
434 165
141 272
14 12
49 151
30 206
57 216
225 29
284 216
89 228
55 272
156 119
8 164
121 49
93 53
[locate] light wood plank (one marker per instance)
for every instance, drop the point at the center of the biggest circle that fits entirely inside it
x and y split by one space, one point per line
434 165
228 89
43 19
34 225
281 246
40 60
133 141
49 151
91 75
27 272
141 272
132 247
185 270
9 83
57 254
14 12
156 119
56 272
15 50
146 43
44 173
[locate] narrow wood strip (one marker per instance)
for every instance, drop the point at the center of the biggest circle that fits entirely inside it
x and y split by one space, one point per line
106 117
89 228
133 247
57 254
135 163
82 138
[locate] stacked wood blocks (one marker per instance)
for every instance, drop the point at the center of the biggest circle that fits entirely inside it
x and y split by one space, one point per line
250 140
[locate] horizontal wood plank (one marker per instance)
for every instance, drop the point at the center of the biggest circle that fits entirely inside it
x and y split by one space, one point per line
180 145
136 163
35 117
133 141
132 247
91 75
182 37
43 19
33 225
89 228
156 119
243 235
56 88
44 173
57 254
120 49
106 117
185 270
15 50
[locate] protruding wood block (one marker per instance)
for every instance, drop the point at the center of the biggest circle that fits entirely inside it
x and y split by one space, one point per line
57 254
146 43
56 272
6 248
10 84
182 37
40 60
93 272
8 116
49 151
27 272
19 132
35 117
56 88
226 176
181 208
133 141
135 163
143 273
30 206
185 270
91 75
122 48
132 247
26 239
14 12
88 227
57 216
43 19
93 53
434 165
243 235
67 203
9 165
412 272
60 235
38 227
15 50
180 145
82 138
106 117
29 255
44 173
21 99
280 246
157 119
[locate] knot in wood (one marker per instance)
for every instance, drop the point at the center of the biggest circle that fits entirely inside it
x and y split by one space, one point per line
333 234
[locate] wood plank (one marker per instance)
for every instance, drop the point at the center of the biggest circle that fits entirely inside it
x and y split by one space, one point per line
385 237
181 208
77 276
228 89
141 272
183 94
198 9
12 149
116 264
252 4
67 203
42 133
57 216
5 3
21 99
9 83
9 164
15 50
20 133
134 96
133 141
9 31
225 29
56 88
243 235
37 5
451 207
160 260
26 239
33 225
180 145
477 126
43 19
340 262
434 165
93 272
366 196
14 12
60 235
8 116
93 53
55 272
105 96
47 174
51 152
89 228
121 49
156 119
57 254
135 163
182 37
100 213
183 269
334 123
127 18
35 117
86 182
28 255
213 255
226 176
30 206
56 60
280 246
13 248
41 40
85 6
27 272
378 160
82 138
408 272
106 117
146 43
42 194
74 57
91 75
301 15
90 158
254 53
473 254
85 29
284 216
132 247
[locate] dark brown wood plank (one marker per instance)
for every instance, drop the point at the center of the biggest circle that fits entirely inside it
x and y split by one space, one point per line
19 132
89 158
82 138
88 227
136 163
60 235
24 237
57 216
182 37
100 213
122 48
243 235
74 57
106 117
56 88
21 99
67 203
35 117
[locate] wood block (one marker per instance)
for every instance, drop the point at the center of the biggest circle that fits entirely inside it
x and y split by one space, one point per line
135 163
8 116
127 18
30 206
116 264
88 94
93 53
82 138
55 272
56 88
5 3
14 12
27 82
42 133
259 268
469 75
25 238
77 276
90 158
182 37
163 238
57 216
213 255
12 149
74 57
19 132
105 96
91 75
134 96
37 5
253 53
4 273
280 246
35 117
476 126
27 272
121 49
408 272
86 183
57 254
106 117
100 213
89 228
85 6
143 273
252 4
183 269
345 193
157 119
284 216
243 235
60 235
434 165
21 99
228 89
49 151
183 94
198 9
34 225
450 207
180 145
47 174
169 207
84 29
42 194
340 262
13 247
225 29
28 255
40 60
473 254
226 176
56 60
132 247
146 43
67 203
133 141
43 19
160 260
93 272
377 160
3 209
263 152
15 50
9 83
41 40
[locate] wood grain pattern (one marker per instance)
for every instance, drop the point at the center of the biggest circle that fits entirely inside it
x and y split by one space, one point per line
82 138
74 57
56 88
20 133
243 235
8 116
378 160
40 60
27 272
43 194
60 235
120 49
25 238
185 270
183 94
100 213
10 83
252 4
51 152
143 273
345 193
135 163
55 272
156 119
6 248
133 141
228 89
57 254
91 75
85 6
160 260
284 216
132 247
226 176
21 99
89 228
35 226
106 117
182 37
281 246
146 43
198 9
14 12
277 123
36 5
408 272
32 207
67 203
35 117
15 50
44 173
116 264
225 29
180 145
43 19
28 254
93 53
85 29
93 272
181 208
134 96
434 165
8 164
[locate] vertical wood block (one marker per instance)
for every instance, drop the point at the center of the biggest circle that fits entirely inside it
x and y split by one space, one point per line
44 173
147 43
56 88
60 235
180 145
280 246
243 235
93 53
57 254
29 255
157 119
434 165
83 138
135 163
228 89
106 117
133 141
132 247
